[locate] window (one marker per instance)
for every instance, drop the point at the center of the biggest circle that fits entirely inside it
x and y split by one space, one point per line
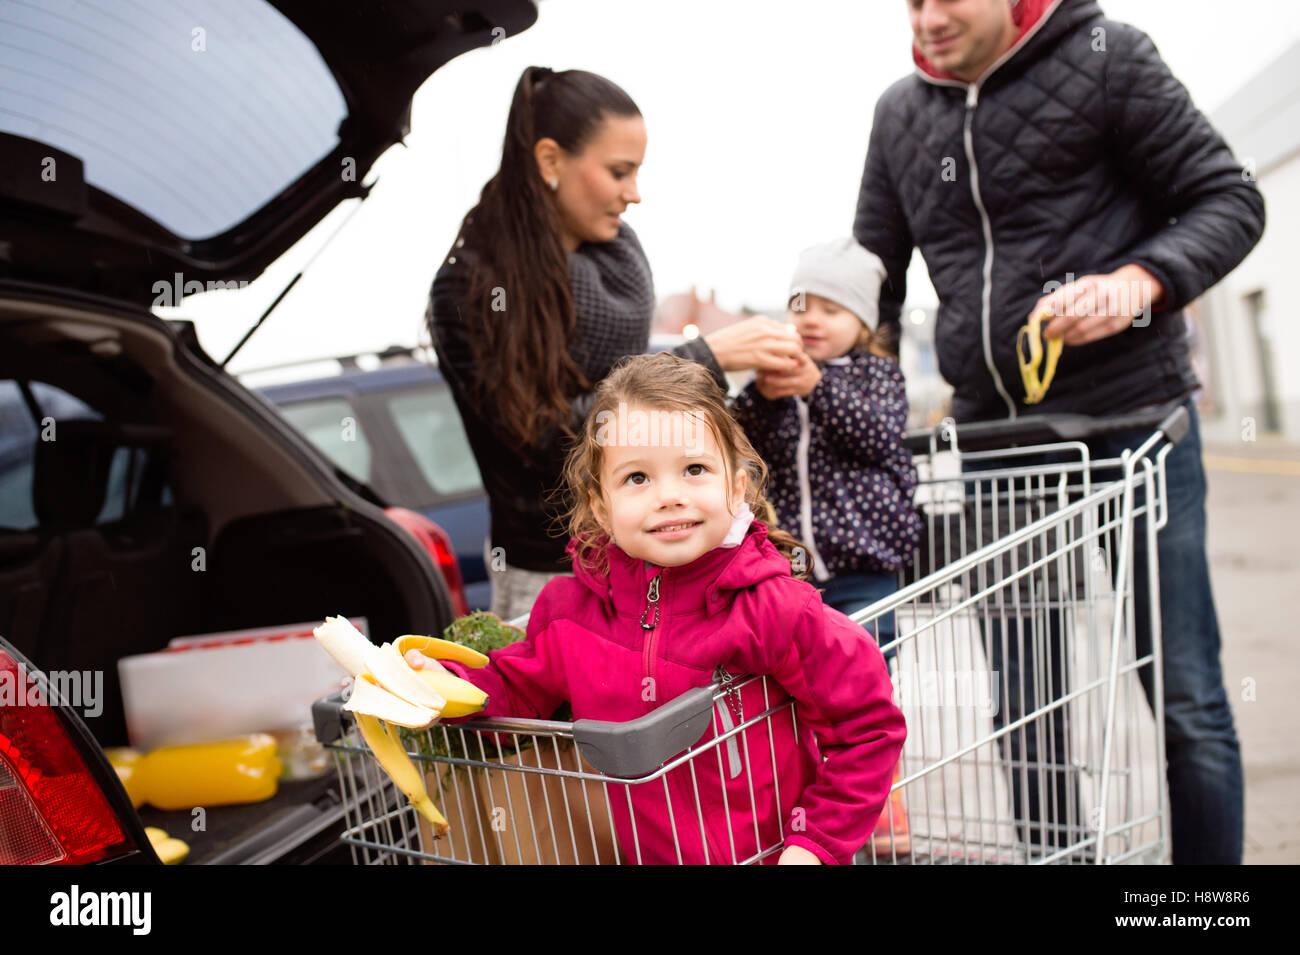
1257 311
430 425
332 425
197 121
19 432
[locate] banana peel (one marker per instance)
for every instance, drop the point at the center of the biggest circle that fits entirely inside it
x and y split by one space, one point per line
391 754
385 687
1036 387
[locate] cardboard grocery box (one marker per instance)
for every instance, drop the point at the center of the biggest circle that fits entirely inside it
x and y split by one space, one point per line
501 816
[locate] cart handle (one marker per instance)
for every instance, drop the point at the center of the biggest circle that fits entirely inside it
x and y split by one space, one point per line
1171 420
327 717
623 750
637 747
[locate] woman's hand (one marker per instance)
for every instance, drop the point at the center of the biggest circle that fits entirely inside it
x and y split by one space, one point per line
801 381
758 342
797 855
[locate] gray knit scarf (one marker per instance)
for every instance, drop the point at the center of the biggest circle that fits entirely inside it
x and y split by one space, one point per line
614 298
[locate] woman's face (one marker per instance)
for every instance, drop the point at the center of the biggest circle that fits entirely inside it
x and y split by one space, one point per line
598 184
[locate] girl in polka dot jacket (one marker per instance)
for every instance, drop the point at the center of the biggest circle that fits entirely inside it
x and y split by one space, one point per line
830 433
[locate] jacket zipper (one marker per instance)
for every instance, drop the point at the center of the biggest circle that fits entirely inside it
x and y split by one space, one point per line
972 100
652 636
986 296
805 491
650 619
725 713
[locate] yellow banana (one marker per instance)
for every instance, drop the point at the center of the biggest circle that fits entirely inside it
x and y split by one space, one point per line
463 697
440 649
391 755
1035 389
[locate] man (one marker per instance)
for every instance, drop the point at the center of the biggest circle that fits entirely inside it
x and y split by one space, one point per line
1044 160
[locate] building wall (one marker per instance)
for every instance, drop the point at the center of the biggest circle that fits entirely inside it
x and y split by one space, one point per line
1271 268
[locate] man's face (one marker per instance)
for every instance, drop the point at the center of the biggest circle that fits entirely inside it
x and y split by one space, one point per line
962 37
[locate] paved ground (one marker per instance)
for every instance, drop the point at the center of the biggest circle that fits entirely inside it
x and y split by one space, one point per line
1254 545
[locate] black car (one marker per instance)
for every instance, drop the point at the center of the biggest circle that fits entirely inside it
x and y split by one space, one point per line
148 151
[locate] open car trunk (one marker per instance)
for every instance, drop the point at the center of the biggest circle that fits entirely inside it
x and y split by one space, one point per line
145 495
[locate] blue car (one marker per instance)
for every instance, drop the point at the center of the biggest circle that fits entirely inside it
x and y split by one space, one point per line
396 429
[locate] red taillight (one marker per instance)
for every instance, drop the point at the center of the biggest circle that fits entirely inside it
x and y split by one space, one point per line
51 807
434 539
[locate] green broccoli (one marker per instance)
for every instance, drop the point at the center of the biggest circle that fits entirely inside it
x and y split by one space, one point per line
482 631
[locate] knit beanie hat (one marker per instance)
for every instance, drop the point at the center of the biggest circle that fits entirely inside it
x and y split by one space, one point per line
844 272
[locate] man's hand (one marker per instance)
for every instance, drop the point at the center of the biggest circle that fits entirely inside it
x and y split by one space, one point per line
801 381
797 855
1094 307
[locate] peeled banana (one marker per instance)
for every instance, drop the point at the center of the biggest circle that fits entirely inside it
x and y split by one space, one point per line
386 687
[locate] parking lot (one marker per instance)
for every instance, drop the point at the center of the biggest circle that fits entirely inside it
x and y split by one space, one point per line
1254 523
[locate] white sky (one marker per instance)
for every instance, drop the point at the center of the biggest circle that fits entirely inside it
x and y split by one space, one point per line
757 113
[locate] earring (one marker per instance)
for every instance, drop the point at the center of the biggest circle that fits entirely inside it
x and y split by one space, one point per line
554 184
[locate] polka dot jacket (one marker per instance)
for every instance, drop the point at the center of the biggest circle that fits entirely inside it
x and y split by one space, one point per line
838 476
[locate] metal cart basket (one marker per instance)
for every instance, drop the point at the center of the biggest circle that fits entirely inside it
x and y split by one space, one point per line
1021 644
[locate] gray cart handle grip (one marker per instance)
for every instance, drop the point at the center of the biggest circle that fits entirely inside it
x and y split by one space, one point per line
1173 420
329 718
636 747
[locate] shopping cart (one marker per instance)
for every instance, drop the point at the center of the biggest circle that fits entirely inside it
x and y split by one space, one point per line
527 791
1016 662
1027 632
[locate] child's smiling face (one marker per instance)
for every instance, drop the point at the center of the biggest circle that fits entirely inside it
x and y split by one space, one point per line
827 330
651 481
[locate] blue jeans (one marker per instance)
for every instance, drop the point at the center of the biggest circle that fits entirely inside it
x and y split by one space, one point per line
849 593
1203 754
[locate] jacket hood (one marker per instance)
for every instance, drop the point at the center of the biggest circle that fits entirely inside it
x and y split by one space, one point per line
1038 21
708 581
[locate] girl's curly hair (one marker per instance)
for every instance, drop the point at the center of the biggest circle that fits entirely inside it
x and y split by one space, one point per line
664 382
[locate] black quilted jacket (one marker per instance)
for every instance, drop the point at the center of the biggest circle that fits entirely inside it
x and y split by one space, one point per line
840 480
1079 153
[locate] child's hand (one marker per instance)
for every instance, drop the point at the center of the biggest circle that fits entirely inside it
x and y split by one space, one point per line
797 855
418 661
805 377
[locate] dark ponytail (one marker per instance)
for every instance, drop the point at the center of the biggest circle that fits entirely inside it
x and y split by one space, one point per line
519 307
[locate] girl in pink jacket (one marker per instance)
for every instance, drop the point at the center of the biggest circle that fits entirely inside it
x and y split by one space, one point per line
676 581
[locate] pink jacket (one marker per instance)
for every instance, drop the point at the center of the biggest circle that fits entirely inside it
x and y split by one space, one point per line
737 607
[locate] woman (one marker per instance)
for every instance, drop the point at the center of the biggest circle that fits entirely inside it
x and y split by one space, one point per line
544 289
